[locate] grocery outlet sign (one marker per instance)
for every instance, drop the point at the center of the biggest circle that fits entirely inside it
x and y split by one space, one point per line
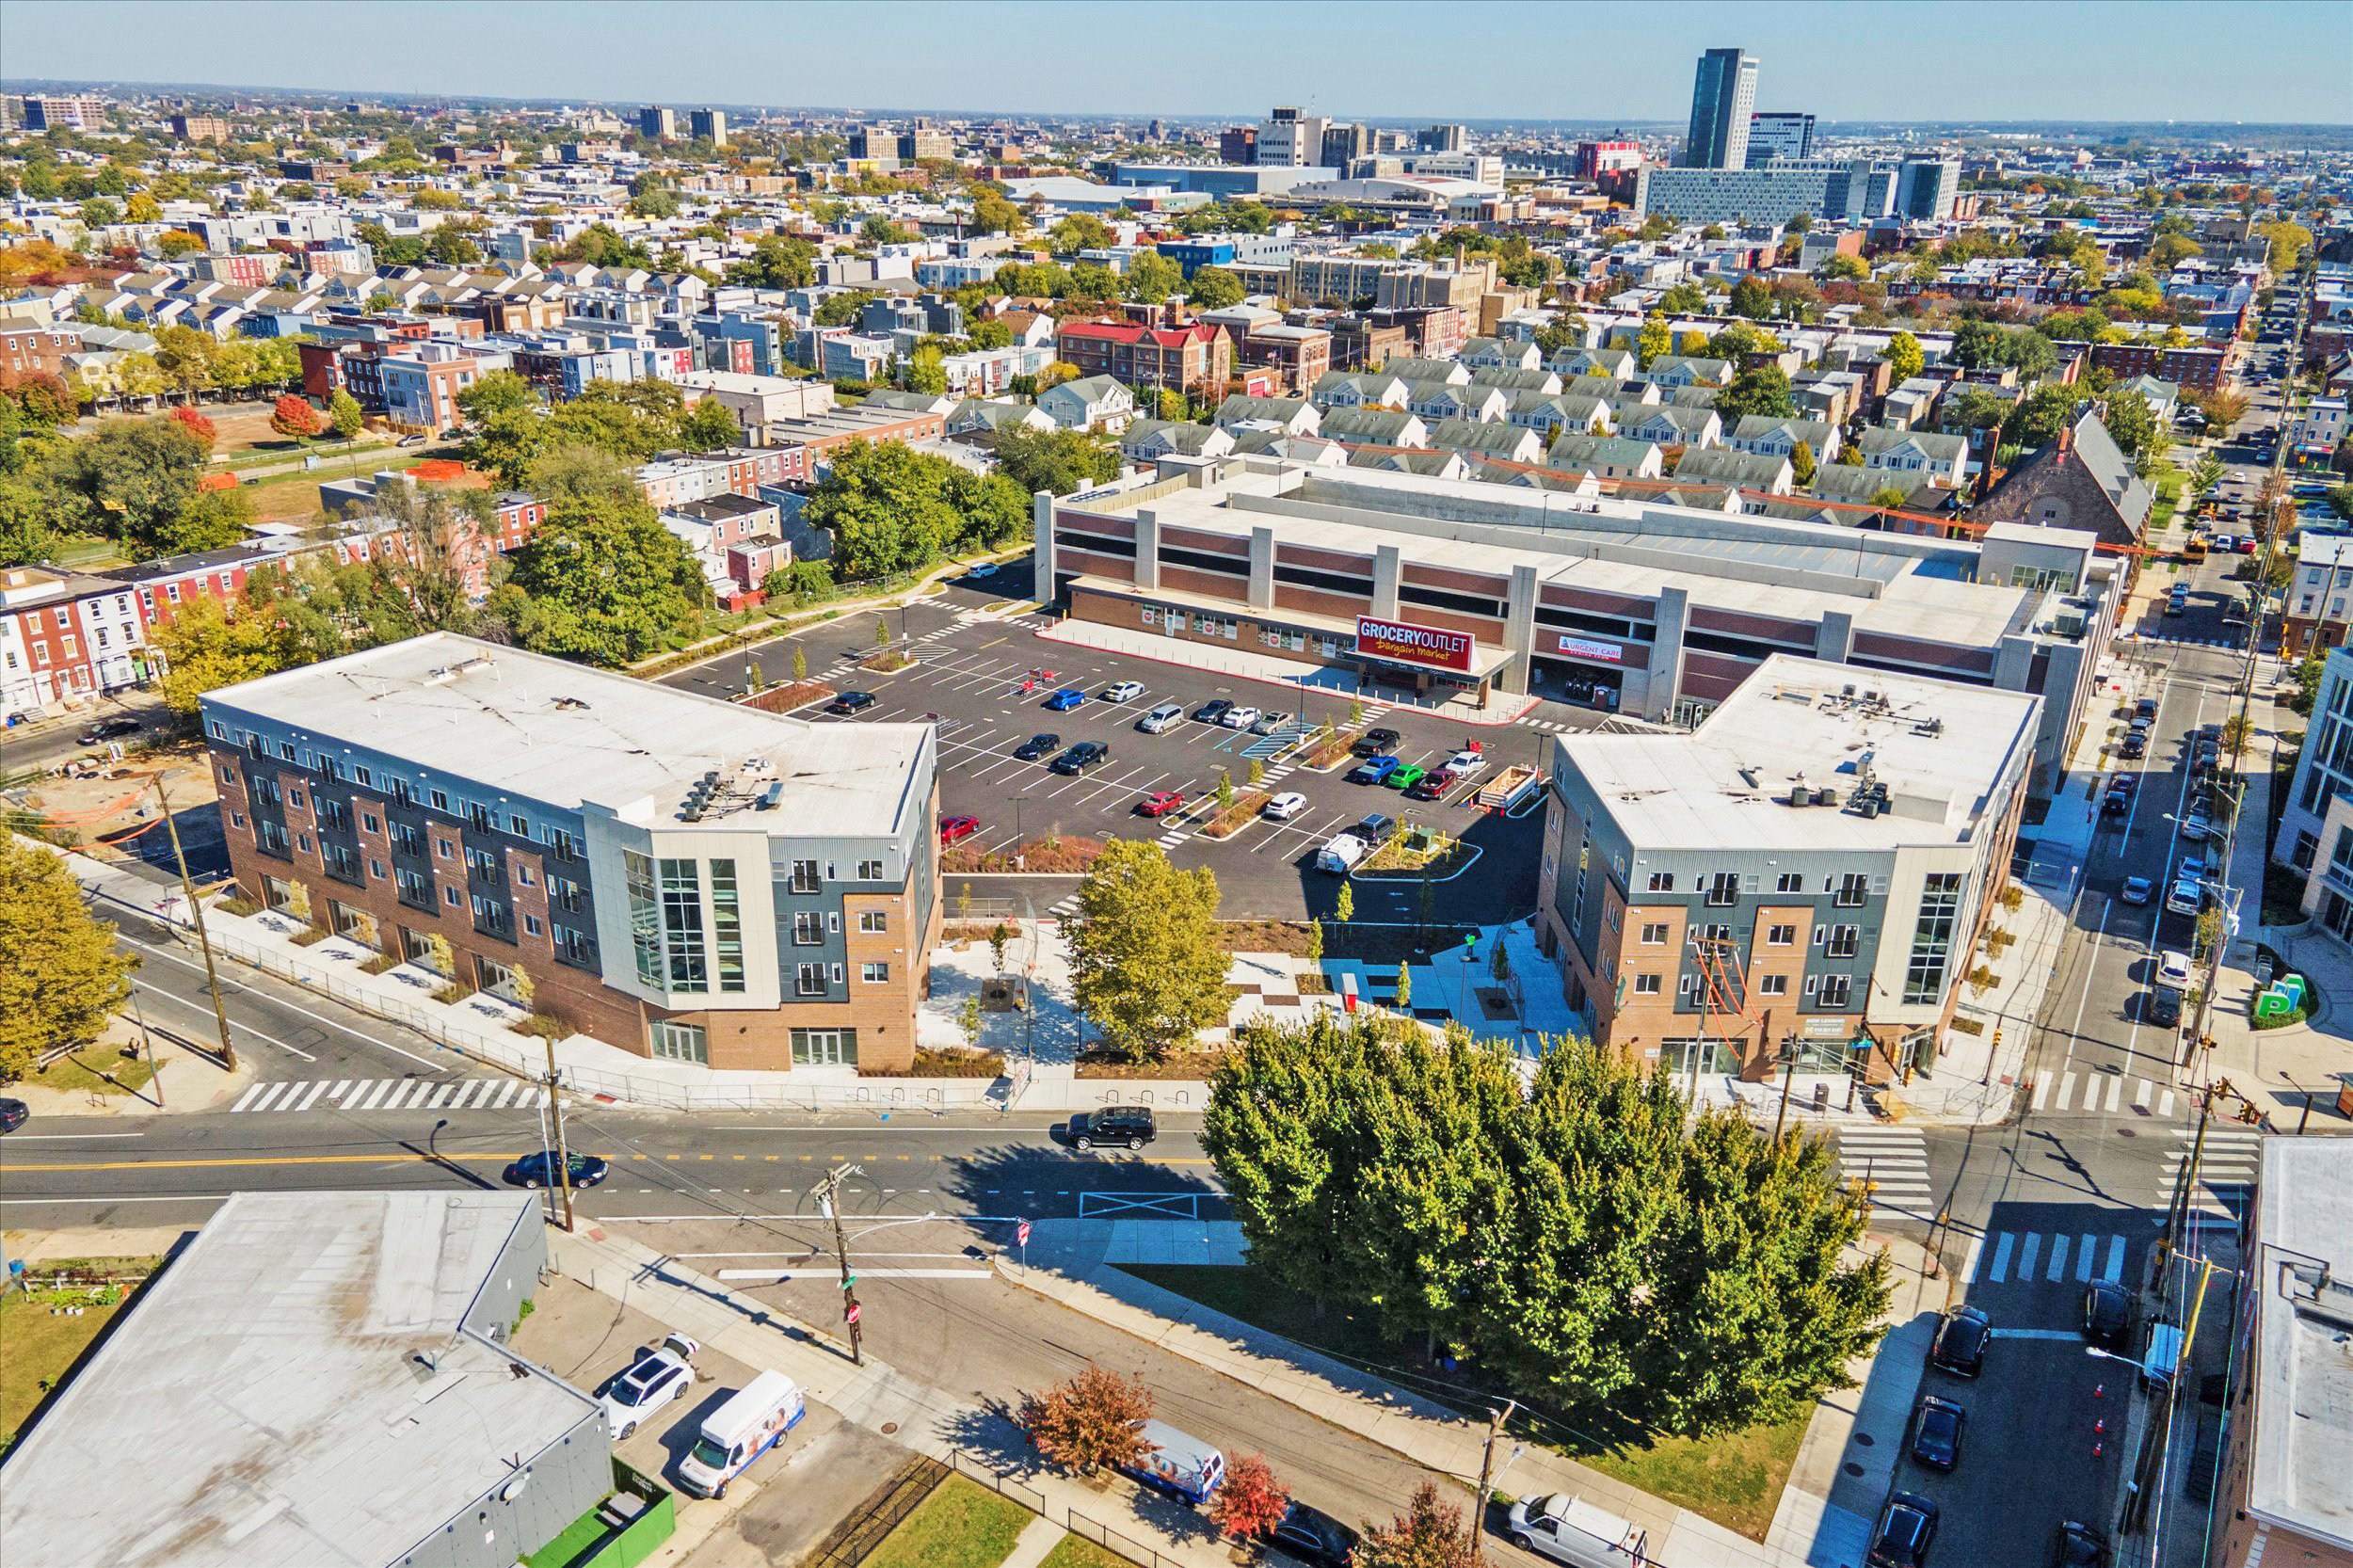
1408 644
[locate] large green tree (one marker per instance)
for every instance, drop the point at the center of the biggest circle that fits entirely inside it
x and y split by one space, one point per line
894 509
1147 969
708 427
1904 357
600 581
132 480
1057 460
1762 389
2133 425
1752 297
1213 288
2036 419
1568 1233
61 975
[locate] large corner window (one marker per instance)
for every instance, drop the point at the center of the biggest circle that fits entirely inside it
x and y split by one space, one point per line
1932 939
727 926
683 926
645 915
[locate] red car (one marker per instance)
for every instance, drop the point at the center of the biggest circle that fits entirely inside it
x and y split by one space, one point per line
1161 802
956 829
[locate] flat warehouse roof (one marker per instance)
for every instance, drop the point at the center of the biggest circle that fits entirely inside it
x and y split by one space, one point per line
560 734
293 1390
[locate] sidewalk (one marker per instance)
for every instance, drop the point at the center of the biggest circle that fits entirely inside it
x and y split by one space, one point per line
1310 681
1825 1513
975 1439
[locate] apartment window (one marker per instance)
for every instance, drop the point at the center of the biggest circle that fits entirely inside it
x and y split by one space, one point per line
342 864
574 945
271 838
293 796
286 750
1772 986
1662 882
266 788
368 821
450 897
1780 936
1646 984
1932 939
1724 887
808 929
236 818
1655 934
677 1042
490 915
367 781
516 825
869 871
478 818
440 799
1845 941
416 890
727 926
522 873
805 878
875 974
228 774
682 925
1836 991
407 841
1851 889
873 922
402 793
531 926
376 868
333 813
483 864
565 893
808 980
1790 882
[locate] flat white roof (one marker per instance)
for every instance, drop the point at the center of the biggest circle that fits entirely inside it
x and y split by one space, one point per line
562 734
1938 747
2303 1417
293 1390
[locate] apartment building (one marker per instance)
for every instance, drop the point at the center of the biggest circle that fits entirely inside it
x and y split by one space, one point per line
200 127
1197 360
65 637
2314 618
1391 285
709 125
421 384
679 876
27 350
2193 368
2320 807
1801 879
65 112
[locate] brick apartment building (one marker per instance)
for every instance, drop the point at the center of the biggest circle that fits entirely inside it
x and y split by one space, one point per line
677 877
2193 369
38 350
65 637
1195 360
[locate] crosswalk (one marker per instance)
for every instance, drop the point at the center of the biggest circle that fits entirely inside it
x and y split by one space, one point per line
394 1094
2024 1258
2104 1094
1064 908
1892 1162
2226 1170
1550 727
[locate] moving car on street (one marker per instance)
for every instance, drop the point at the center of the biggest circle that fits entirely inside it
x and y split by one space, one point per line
2137 889
538 1170
1125 1127
2107 1314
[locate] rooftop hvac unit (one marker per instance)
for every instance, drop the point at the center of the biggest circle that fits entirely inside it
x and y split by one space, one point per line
1826 797
1800 795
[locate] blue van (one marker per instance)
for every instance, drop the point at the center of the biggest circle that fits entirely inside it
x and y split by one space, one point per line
1179 1465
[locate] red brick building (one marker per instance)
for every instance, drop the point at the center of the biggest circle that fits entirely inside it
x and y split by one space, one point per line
1196 360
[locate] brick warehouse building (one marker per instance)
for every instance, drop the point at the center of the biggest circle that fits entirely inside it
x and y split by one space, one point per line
676 876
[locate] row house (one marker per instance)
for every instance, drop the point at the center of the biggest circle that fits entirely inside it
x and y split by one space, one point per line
65 637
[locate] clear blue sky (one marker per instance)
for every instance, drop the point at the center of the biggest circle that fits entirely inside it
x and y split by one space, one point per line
2254 60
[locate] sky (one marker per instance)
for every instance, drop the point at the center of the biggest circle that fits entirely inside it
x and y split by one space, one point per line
2259 61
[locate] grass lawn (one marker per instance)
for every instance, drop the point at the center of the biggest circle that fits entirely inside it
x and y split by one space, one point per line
36 1348
1735 1479
962 1524
1075 1551
80 1072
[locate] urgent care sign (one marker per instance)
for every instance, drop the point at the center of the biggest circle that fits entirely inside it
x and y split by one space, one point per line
1408 644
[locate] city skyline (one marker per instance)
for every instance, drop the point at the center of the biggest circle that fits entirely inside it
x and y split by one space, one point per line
2254 64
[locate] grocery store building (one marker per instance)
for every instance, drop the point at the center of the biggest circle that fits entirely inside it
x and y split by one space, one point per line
1472 589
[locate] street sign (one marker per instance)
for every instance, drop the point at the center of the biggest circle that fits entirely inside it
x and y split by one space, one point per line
848 1281
1021 1237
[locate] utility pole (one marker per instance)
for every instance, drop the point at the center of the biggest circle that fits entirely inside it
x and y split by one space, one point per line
828 1205
1486 1474
196 916
563 1156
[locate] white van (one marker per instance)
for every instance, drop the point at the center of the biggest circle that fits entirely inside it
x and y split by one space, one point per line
1570 1530
1161 718
1340 854
740 1431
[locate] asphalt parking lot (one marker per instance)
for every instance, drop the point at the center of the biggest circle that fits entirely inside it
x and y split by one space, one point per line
986 681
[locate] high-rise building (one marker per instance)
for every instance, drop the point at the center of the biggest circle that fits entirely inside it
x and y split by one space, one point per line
1288 137
1617 156
200 127
1237 144
923 140
1927 187
1723 97
657 124
709 125
1780 135
1442 138
1343 145
80 112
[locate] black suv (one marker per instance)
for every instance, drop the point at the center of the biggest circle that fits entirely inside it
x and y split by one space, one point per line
1907 1524
2107 1314
1375 743
1119 1126
1213 711
1037 747
1080 757
1960 1342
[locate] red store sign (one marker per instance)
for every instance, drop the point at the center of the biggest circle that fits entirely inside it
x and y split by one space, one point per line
1408 644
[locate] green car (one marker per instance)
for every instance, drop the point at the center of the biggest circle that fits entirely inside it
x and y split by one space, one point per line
1404 776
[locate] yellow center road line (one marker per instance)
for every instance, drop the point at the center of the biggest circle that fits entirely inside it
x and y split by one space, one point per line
990 645
387 1157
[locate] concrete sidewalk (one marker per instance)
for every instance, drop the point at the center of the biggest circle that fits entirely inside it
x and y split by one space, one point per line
1825 1513
975 1439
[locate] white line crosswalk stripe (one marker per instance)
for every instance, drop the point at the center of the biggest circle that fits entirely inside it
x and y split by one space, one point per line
1893 1160
2031 1257
389 1093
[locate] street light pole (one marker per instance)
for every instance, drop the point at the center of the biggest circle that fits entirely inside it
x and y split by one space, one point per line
1486 1475
195 916
562 1155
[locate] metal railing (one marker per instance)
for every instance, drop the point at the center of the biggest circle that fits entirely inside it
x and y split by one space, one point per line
973 1467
